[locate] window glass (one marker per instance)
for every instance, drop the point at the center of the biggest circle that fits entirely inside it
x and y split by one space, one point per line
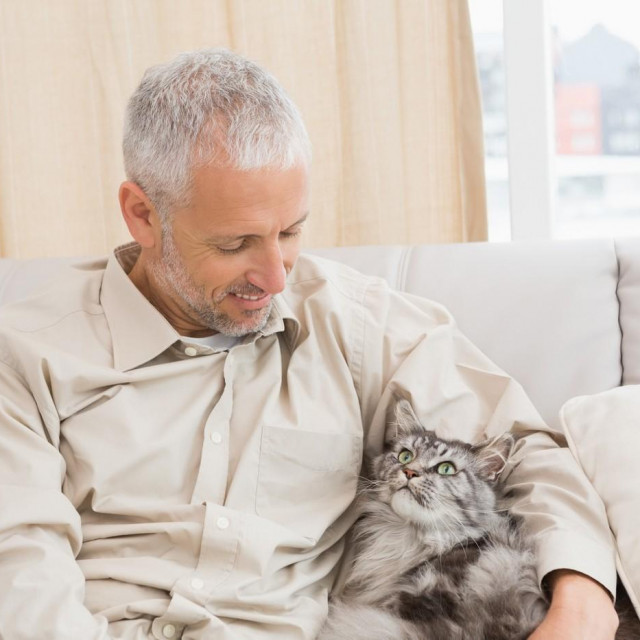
596 57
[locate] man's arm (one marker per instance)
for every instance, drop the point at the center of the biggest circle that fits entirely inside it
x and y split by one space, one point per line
581 609
41 585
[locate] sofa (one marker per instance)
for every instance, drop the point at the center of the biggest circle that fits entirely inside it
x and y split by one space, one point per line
560 317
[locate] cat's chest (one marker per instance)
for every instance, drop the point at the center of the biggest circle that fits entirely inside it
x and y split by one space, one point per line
469 571
383 563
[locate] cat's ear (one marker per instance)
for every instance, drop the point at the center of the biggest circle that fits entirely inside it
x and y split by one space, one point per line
492 455
401 419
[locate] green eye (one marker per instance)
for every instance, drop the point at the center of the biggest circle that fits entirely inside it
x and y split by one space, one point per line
446 469
405 456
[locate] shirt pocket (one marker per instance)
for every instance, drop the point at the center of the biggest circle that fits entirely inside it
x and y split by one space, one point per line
307 479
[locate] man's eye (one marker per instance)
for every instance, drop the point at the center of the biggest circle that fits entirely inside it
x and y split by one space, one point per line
229 249
291 234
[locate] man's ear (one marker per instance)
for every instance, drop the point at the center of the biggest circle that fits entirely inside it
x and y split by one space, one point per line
139 214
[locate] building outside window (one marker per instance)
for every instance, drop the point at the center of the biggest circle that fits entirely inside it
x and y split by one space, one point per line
596 76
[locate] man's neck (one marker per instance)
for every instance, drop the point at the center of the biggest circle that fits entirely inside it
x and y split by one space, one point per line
172 312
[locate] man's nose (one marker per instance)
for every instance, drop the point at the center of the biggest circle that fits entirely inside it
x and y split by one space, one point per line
268 273
410 473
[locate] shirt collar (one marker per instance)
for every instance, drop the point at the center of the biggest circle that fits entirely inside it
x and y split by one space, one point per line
140 332
282 319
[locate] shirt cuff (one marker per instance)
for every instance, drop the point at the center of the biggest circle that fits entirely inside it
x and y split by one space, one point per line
566 550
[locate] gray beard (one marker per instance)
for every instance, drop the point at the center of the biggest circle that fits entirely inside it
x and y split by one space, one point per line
171 276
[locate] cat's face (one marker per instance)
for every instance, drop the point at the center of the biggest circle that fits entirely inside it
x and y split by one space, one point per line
436 483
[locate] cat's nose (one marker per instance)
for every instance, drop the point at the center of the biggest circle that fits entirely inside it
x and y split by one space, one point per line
410 473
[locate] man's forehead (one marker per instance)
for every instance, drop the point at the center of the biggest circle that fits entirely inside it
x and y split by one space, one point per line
226 202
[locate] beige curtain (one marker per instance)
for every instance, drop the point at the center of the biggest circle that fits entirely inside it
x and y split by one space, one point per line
388 90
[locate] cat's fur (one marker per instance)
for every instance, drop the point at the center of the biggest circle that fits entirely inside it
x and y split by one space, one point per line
437 557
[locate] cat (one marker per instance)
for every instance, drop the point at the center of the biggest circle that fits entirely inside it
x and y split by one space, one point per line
436 554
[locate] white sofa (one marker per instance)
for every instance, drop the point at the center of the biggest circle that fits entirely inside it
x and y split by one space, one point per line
560 317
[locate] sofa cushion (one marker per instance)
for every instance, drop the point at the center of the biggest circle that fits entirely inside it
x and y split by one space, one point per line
603 435
546 312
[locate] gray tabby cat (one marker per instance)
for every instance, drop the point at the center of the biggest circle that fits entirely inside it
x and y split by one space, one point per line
436 558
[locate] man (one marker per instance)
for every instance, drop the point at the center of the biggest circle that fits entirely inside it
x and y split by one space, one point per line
183 425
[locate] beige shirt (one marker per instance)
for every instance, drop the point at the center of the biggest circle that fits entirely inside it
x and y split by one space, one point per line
154 487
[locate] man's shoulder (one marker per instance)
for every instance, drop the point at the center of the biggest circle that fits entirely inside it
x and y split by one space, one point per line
327 297
74 291
315 273
326 284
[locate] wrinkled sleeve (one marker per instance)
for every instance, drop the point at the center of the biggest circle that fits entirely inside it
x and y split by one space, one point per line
41 584
412 346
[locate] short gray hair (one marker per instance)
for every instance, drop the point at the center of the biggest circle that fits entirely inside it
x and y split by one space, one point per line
207 106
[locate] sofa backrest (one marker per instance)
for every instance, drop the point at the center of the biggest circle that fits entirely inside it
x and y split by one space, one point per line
547 312
558 316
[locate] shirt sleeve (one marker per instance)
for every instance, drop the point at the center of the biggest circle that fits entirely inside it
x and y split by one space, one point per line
412 346
41 584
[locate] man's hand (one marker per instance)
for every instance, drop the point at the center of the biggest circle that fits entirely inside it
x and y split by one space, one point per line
581 609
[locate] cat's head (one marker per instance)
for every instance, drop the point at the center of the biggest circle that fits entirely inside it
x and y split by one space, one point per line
436 483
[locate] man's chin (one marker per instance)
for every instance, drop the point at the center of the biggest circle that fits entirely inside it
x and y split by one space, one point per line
250 322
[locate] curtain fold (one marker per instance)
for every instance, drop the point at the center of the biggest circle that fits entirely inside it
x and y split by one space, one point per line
388 89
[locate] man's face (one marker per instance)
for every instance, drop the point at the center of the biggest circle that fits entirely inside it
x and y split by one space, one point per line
225 255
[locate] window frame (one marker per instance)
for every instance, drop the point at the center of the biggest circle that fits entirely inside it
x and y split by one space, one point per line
530 119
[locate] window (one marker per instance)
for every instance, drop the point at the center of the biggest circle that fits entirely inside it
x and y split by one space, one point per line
582 145
597 82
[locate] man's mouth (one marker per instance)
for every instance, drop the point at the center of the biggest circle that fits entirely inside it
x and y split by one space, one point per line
245 297
246 302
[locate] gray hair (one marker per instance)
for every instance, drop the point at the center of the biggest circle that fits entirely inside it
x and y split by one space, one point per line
207 106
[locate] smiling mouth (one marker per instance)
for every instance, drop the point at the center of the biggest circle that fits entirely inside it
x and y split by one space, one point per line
252 298
247 303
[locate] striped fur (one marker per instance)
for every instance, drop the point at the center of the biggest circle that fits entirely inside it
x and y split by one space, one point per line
435 556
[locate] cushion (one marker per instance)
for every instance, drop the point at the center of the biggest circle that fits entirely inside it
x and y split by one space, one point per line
603 432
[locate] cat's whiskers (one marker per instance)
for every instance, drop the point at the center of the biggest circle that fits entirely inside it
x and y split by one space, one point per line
445 534
457 540
485 511
366 484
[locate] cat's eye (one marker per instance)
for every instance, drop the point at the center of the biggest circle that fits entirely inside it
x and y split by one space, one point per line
446 469
405 456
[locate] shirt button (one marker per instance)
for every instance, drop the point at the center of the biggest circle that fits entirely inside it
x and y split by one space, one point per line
222 523
197 583
168 631
216 437
191 351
